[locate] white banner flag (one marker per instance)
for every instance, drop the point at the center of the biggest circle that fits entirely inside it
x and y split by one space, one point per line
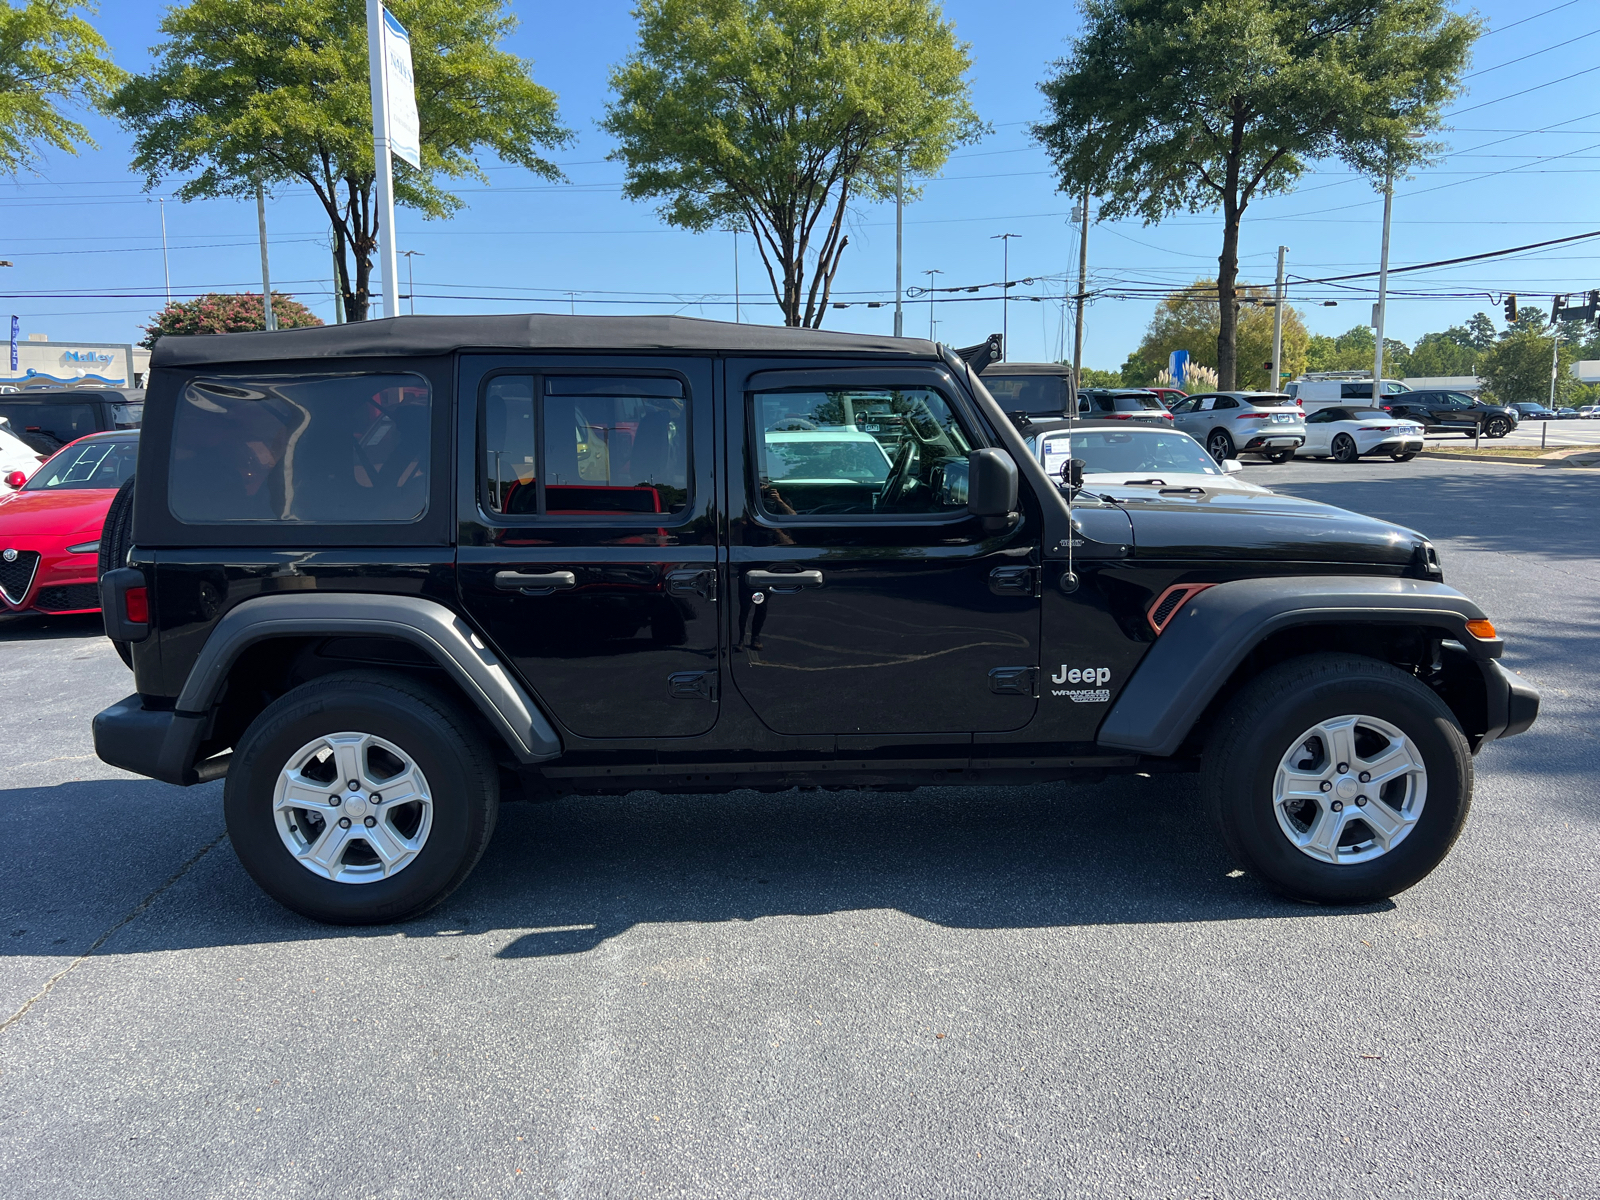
404 138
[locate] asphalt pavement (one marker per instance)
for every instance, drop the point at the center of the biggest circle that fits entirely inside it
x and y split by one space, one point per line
1044 991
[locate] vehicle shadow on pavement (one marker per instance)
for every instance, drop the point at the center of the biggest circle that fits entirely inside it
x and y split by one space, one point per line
35 627
568 875
1549 509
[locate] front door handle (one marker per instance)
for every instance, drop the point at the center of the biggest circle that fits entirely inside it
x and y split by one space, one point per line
537 582
783 581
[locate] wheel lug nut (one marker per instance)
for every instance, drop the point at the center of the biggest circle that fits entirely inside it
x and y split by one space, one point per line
344 822
371 821
1361 801
1343 767
337 799
1365 777
356 787
1327 786
1337 806
376 798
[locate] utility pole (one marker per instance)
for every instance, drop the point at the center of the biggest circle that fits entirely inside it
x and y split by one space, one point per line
266 276
1555 358
1383 293
166 268
930 273
411 283
1083 280
736 277
1005 292
899 242
338 292
1277 327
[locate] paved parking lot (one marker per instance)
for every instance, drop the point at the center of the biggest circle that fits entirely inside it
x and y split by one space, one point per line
1553 434
1048 991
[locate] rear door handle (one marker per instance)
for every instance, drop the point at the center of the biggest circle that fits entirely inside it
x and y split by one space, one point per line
538 582
783 581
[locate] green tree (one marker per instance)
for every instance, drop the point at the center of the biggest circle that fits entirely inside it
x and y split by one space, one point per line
1094 377
1168 106
773 115
226 312
1189 320
280 90
1353 349
1454 352
1517 367
50 56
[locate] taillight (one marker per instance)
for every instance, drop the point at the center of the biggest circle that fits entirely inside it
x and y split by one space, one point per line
136 605
1253 417
1373 428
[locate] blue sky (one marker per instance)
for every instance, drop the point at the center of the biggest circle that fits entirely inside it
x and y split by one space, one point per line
1524 146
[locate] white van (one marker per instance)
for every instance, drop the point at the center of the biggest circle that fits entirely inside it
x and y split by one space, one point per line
1319 389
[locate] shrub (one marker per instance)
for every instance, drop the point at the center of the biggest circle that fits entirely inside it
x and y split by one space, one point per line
221 312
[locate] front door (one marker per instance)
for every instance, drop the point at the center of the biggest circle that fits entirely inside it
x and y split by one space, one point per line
588 539
868 600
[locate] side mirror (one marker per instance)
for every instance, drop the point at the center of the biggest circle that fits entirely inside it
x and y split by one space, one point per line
1072 473
16 479
1231 466
992 486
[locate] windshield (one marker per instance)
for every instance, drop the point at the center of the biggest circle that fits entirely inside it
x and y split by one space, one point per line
1130 454
99 464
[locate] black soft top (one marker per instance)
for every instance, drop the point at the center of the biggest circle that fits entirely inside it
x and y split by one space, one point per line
411 336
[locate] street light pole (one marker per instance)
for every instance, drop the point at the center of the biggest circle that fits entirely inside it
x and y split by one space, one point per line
166 268
899 243
1383 292
736 317
930 273
1277 327
1005 293
411 283
266 276
1083 279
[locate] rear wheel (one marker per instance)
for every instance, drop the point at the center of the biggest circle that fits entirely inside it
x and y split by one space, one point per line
1344 449
1406 457
116 538
1337 779
361 798
1220 445
1279 456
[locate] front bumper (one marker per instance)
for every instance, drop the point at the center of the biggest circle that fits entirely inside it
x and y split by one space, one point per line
61 582
160 744
1512 702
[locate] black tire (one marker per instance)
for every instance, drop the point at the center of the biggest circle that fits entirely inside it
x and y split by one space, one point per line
1258 728
1220 445
1407 457
1279 456
116 538
1498 427
453 755
1344 449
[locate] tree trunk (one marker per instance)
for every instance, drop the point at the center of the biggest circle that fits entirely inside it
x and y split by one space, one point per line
1228 263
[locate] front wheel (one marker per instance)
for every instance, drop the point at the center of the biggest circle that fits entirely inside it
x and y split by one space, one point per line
1220 445
1337 779
361 798
1498 427
1344 449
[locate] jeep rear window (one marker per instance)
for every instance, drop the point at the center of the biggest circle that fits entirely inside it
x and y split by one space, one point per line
301 449
48 427
595 446
1036 395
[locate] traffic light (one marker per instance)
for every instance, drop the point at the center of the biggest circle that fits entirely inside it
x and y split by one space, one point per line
1556 305
1511 309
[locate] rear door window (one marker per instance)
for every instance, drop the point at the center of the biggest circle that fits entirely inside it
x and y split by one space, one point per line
589 446
301 449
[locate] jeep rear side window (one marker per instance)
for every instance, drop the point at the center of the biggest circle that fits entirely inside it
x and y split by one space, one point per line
859 452
593 446
301 449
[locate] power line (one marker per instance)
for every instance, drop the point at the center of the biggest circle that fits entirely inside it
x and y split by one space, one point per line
1535 17
1535 88
1532 54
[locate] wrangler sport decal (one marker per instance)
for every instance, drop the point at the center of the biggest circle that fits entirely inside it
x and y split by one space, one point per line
1090 675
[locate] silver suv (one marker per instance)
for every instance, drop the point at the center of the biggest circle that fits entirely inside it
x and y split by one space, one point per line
1229 424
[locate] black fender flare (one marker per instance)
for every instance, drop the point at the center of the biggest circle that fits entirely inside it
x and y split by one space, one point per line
429 626
1210 636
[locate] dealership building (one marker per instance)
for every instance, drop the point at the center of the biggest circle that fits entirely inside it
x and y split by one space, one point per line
41 363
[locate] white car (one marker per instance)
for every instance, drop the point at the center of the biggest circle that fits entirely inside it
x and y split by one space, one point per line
15 455
1120 460
1346 434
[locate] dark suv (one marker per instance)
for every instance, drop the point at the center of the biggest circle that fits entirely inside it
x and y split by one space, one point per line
379 574
48 420
1444 412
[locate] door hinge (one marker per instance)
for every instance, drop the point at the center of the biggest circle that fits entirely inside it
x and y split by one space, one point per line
692 685
1015 581
692 583
1014 681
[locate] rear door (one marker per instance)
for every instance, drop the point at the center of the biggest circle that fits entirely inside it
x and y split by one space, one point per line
866 599
588 535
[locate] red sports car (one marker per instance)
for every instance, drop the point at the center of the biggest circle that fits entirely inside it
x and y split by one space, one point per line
50 527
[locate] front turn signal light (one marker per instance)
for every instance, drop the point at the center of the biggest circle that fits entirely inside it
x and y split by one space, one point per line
1481 629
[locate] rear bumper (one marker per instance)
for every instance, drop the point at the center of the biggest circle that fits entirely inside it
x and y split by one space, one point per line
159 744
1411 445
1273 443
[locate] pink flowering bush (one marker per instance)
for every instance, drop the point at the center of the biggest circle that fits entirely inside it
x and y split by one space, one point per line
226 313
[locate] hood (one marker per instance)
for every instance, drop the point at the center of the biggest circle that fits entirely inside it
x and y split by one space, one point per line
35 514
1236 526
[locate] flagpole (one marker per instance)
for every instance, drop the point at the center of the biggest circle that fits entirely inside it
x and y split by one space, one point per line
383 160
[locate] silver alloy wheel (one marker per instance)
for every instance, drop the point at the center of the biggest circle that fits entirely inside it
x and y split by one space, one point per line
352 807
1221 446
1349 790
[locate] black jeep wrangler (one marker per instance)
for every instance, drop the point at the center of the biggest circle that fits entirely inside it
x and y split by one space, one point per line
377 574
